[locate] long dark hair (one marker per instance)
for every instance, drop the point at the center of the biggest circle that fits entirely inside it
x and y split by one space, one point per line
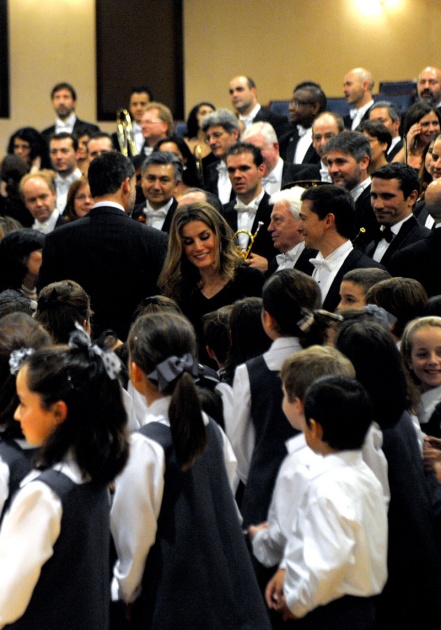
192 120
37 143
153 339
95 426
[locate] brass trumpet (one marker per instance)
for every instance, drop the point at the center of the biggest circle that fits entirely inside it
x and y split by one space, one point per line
245 252
124 131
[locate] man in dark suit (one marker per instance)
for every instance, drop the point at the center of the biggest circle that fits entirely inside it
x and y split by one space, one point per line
161 172
221 130
278 173
348 157
251 206
422 260
64 101
287 233
357 89
115 259
387 113
243 94
327 217
394 191
308 101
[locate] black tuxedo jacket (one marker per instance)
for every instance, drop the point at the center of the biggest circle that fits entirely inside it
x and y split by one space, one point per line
410 232
421 261
211 178
263 244
420 212
279 123
390 156
138 215
288 144
116 260
302 263
366 226
80 127
348 120
355 260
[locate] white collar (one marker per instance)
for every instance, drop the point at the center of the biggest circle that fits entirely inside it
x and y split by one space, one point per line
112 204
253 113
334 256
359 188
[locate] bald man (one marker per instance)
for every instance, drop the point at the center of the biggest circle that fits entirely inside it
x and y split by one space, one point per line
243 95
357 89
429 85
422 260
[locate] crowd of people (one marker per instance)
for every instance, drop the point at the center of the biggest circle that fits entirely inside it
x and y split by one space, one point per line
220 365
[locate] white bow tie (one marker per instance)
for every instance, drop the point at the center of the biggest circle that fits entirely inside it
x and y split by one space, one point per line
284 258
271 179
241 207
221 167
155 214
353 113
320 264
302 131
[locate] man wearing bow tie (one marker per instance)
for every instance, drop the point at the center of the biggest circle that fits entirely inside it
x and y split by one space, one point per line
221 130
278 173
64 101
394 191
160 174
357 89
251 206
327 218
308 101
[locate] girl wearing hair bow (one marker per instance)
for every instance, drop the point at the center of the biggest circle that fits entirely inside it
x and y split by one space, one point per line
182 559
54 542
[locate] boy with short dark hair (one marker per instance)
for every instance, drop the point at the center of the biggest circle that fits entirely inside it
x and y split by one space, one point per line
356 283
335 558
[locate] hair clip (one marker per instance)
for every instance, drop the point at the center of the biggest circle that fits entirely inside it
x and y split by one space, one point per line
80 339
17 358
169 370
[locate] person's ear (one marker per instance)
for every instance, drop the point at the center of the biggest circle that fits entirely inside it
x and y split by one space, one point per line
59 409
137 377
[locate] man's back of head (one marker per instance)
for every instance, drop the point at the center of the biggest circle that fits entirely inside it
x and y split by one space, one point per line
107 172
329 199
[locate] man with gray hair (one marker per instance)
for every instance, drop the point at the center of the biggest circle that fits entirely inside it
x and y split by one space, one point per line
221 132
287 232
161 171
357 89
348 156
422 260
387 113
278 173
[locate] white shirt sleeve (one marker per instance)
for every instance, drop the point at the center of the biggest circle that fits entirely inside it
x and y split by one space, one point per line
239 426
135 511
27 537
4 484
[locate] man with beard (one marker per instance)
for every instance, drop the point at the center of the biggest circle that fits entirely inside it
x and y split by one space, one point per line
63 149
64 101
429 85
116 260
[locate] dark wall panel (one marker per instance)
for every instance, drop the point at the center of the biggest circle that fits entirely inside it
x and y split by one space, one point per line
139 42
4 60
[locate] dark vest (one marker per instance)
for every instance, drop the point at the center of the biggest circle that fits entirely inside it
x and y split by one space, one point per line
272 429
198 573
19 462
73 590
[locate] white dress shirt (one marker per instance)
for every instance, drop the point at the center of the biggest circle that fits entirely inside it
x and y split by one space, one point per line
249 118
223 183
383 245
137 502
46 226
238 423
137 136
325 269
246 213
289 259
62 185
357 114
427 404
273 182
66 125
338 544
359 188
303 144
156 217
324 173
28 534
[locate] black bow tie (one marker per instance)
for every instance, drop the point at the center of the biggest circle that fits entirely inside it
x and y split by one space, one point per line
387 234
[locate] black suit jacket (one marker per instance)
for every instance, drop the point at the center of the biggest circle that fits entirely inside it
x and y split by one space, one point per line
80 127
410 232
138 215
116 260
355 260
421 261
390 156
366 226
279 123
263 244
288 144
